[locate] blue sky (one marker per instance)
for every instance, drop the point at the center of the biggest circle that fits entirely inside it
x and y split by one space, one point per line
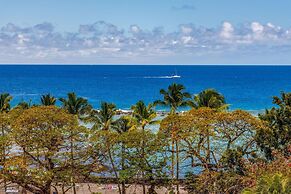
145 31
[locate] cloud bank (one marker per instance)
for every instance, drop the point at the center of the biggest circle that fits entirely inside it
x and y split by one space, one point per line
102 43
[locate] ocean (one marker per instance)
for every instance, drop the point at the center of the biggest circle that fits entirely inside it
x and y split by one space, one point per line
245 87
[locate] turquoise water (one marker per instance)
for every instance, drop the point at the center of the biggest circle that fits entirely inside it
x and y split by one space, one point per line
245 87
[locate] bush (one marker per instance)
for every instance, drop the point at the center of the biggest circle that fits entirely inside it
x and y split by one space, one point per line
215 182
271 184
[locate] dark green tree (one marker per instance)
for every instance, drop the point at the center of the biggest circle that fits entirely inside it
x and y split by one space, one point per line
210 98
174 97
79 107
76 105
144 116
277 134
271 184
48 100
25 105
5 99
102 119
103 122
122 126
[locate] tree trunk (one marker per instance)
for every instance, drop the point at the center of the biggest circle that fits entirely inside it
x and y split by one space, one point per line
123 189
208 148
63 188
152 189
74 187
72 166
152 184
177 167
172 163
143 158
113 167
46 191
3 159
143 188
56 190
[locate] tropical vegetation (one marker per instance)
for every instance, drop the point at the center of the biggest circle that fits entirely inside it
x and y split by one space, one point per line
206 148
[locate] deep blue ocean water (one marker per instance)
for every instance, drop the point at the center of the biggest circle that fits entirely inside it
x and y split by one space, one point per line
245 87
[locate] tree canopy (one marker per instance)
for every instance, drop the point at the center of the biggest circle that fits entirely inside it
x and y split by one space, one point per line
205 148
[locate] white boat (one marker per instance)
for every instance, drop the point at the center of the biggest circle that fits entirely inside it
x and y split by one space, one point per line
176 75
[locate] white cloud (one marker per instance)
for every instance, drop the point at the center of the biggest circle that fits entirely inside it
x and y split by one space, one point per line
258 30
104 42
187 40
135 29
270 25
257 27
186 29
227 30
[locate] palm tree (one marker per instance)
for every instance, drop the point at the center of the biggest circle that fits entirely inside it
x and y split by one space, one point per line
103 120
121 126
5 99
210 98
174 97
144 115
48 100
76 105
24 105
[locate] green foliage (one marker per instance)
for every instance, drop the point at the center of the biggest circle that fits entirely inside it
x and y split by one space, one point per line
144 115
41 135
277 133
174 97
48 100
102 119
210 98
210 138
144 154
214 182
5 102
233 161
271 184
123 124
24 105
76 105
45 145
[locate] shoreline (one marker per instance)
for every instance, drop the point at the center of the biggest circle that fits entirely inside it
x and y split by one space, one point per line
165 112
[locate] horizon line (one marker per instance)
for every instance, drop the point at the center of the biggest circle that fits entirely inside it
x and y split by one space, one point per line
151 64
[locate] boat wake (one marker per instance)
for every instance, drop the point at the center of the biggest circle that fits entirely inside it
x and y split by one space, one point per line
25 94
162 77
